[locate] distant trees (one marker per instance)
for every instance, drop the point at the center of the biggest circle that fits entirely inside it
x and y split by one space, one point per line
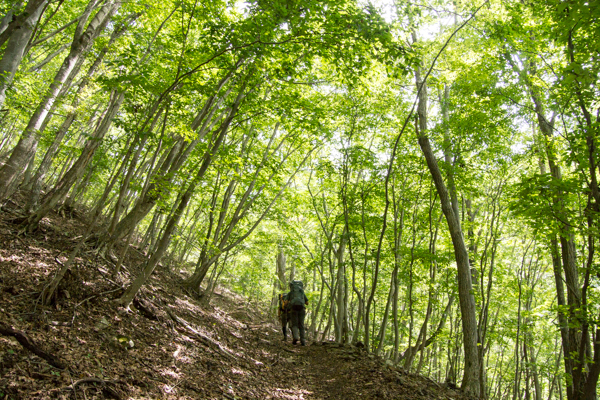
450 226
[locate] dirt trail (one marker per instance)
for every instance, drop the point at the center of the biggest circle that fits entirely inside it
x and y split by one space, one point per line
331 371
170 345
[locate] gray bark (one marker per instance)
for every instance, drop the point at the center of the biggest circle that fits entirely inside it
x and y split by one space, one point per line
7 19
280 263
173 221
26 148
15 48
66 182
204 122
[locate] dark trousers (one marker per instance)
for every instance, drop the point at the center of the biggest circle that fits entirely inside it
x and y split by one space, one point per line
284 322
296 317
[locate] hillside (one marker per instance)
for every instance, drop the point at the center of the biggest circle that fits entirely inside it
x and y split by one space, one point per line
170 345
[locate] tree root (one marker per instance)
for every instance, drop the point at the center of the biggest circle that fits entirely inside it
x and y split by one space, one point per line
145 308
28 343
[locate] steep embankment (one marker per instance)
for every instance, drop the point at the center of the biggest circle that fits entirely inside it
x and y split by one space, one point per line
168 346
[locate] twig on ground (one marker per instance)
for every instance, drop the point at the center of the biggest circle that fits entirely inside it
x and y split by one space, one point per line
205 339
97 295
91 379
276 360
107 278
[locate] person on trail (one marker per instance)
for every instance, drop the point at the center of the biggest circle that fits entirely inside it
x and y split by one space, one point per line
283 313
297 310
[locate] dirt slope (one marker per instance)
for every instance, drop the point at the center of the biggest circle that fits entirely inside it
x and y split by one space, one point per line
168 346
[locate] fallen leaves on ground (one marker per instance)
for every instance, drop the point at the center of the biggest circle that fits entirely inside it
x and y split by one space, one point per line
169 345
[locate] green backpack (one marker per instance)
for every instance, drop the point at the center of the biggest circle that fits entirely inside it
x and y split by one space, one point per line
296 296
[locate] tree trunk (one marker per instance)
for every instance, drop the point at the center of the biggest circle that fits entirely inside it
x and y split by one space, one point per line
341 305
470 382
26 148
64 185
280 263
51 151
15 49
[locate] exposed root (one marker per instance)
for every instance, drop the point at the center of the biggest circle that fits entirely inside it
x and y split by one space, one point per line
29 344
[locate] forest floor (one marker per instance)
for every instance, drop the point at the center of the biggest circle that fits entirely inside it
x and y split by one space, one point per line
169 345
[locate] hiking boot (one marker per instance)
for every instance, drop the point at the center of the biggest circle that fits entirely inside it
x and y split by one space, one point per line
303 343
294 341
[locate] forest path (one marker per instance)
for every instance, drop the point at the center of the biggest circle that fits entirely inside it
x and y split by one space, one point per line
326 370
169 345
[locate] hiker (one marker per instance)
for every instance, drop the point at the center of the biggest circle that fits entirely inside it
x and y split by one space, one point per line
297 310
283 313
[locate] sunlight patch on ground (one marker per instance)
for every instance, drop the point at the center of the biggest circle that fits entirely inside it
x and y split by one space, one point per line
189 306
177 354
238 371
169 372
290 393
185 338
169 389
265 353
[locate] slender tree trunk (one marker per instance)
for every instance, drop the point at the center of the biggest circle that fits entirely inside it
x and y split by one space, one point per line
62 187
280 263
384 319
470 382
70 118
341 305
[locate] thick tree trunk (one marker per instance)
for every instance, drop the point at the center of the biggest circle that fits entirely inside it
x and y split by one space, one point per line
15 48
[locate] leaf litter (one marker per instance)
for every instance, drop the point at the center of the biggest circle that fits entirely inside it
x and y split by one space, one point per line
169 345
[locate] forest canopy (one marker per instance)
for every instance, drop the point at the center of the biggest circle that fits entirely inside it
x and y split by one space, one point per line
429 170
